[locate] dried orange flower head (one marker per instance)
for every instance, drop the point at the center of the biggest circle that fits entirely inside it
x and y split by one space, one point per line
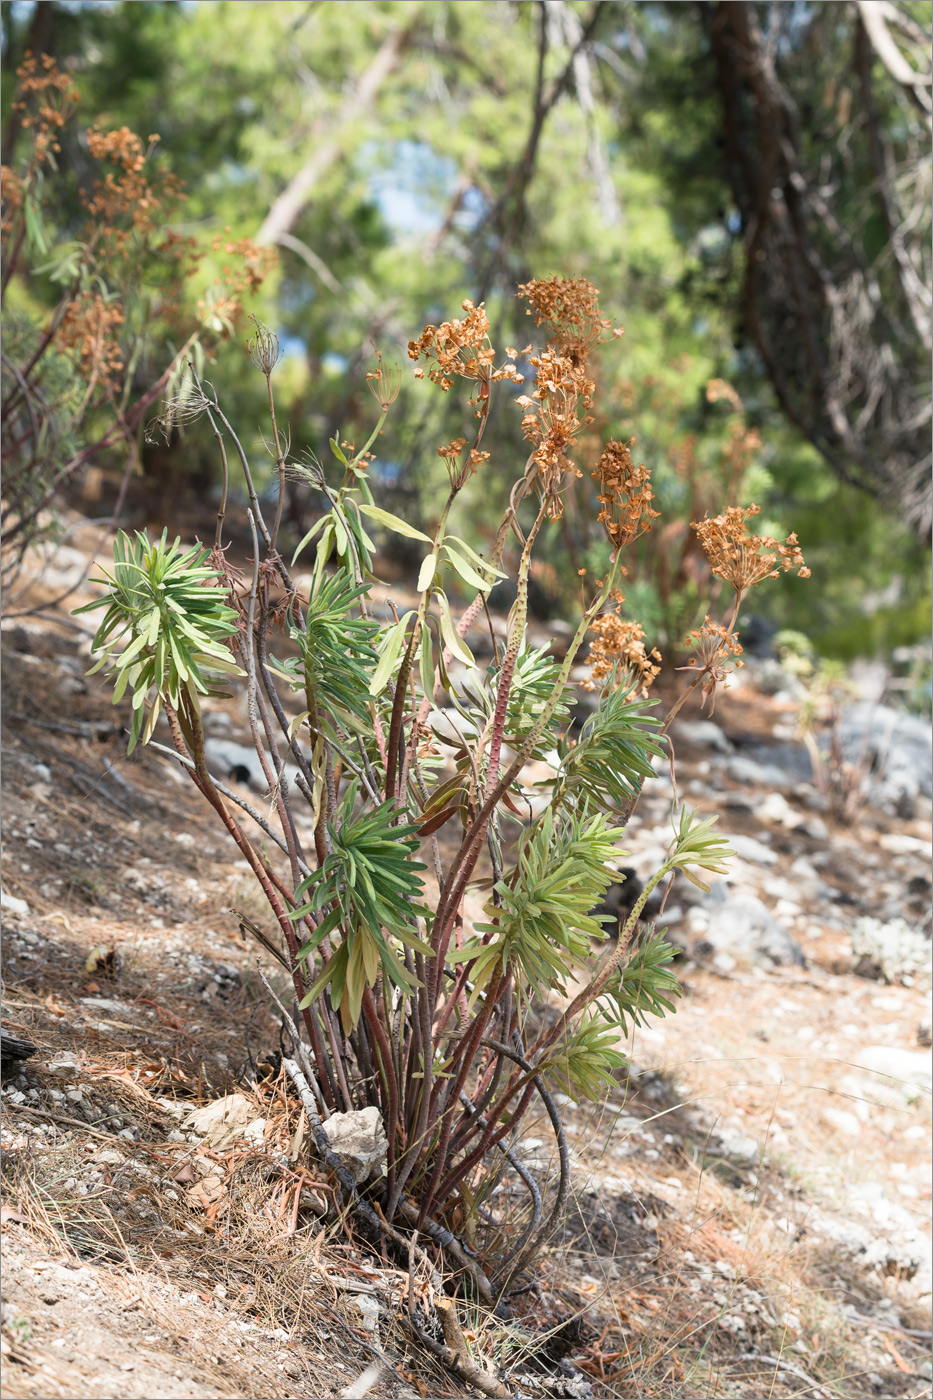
48 98
625 494
462 349
714 645
89 332
718 389
568 308
618 649
557 409
743 559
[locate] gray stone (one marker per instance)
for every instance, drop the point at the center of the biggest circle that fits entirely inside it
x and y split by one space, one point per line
892 951
749 849
909 1069
65 1065
231 760
744 927
228 759
702 733
770 677
12 904
740 801
370 1310
896 843
359 1141
896 747
220 1123
752 774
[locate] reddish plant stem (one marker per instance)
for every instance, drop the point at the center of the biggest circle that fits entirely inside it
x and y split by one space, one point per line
465 1051
492 1136
195 735
517 633
398 713
389 1081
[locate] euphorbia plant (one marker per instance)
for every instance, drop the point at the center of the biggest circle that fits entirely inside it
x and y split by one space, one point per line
411 773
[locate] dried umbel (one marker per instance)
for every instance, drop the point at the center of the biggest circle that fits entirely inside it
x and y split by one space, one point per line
554 414
557 408
384 384
132 198
48 98
713 644
743 559
625 494
569 309
460 469
462 350
718 390
618 654
90 329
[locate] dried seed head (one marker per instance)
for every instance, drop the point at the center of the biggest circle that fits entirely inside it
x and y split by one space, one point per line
264 349
619 650
187 406
714 644
743 559
308 470
625 494
384 384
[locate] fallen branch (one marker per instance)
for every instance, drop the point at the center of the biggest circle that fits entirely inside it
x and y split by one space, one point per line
458 1361
780 1364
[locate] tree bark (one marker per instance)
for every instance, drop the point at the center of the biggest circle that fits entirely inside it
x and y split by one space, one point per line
287 208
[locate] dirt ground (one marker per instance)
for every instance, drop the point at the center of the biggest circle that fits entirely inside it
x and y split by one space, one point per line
752 1204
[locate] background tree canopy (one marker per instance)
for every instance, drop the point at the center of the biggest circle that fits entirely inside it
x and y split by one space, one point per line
747 184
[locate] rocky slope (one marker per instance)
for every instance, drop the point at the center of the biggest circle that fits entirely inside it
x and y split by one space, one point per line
752 1205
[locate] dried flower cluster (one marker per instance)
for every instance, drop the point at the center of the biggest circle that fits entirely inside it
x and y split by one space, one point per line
625 494
48 98
739 451
460 472
568 308
558 406
124 275
719 389
384 384
132 199
743 559
223 303
90 329
14 193
619 649
714 645
462 349
554 414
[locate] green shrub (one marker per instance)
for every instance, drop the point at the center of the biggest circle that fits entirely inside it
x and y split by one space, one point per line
404 1006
